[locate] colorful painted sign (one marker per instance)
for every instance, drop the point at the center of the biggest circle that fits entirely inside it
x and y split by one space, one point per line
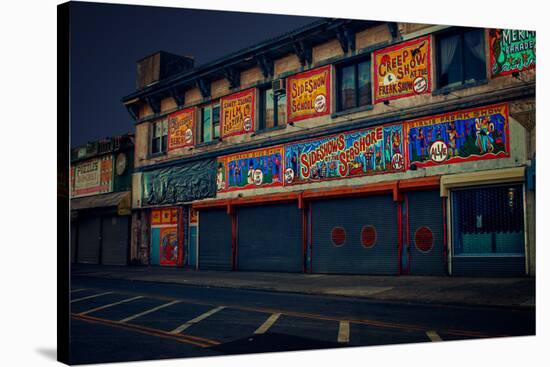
93 177
164 216
358 153
193 216
181 127
402 70
461 136
249 170
237 113
168 246
511 51
308 94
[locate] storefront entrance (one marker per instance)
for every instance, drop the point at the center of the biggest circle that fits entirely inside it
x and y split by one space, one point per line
488 231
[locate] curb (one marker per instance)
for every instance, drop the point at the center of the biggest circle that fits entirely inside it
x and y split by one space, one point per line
520 307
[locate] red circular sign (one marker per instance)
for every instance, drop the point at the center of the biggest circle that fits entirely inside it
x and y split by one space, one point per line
338 236
368 236
424 239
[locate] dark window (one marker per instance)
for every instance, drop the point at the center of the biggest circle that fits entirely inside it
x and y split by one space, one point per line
488 221
159 137
272 109
210 123
354 85
216 121
461 57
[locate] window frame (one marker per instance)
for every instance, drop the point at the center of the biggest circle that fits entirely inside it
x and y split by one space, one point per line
355 63
262 110
200 131
163 138
463 83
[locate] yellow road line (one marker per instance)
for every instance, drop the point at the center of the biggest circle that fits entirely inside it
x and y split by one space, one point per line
268 323
432 334
130 318
343 332
182 338
189 323
109 305
89 297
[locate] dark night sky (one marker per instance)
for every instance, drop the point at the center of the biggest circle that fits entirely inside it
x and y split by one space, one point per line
107 40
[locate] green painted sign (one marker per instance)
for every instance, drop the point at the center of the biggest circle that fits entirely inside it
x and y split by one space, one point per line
511 51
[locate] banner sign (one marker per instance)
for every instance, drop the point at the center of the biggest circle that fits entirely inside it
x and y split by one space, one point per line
168 246
164 216
365 152
402 70
461 136
253 169
308 94
237 113
181 127
511 51
93 177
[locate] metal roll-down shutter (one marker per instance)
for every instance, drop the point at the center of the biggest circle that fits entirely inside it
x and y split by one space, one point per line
270 238
354 235
115 240
89 242
215 240
425 237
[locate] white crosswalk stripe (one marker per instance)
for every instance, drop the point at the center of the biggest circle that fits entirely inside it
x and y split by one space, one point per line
110 305
130 318
90 297
268 323
433 336
343 332
189 323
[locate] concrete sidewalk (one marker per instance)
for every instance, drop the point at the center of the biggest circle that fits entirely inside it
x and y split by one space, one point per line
501 292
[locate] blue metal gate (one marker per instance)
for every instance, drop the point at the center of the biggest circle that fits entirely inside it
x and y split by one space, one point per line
424 223
270 238
215 235
488 231
354 235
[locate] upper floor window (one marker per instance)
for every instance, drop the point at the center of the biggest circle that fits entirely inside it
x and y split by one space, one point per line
210 123
461 57
159 136
272 109
354 85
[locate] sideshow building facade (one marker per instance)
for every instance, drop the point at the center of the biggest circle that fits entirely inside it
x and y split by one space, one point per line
100 187
345 147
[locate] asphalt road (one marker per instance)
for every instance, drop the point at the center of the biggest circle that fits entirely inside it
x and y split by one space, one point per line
119 320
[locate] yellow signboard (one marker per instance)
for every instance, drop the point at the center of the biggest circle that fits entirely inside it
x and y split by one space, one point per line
402 70
181 125
237 112
308 94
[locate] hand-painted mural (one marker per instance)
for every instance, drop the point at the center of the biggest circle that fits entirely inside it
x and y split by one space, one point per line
402 70
181 126
92 177
308 94
253 169
511 51
176 184
364 152
168 246
237 113
460 136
